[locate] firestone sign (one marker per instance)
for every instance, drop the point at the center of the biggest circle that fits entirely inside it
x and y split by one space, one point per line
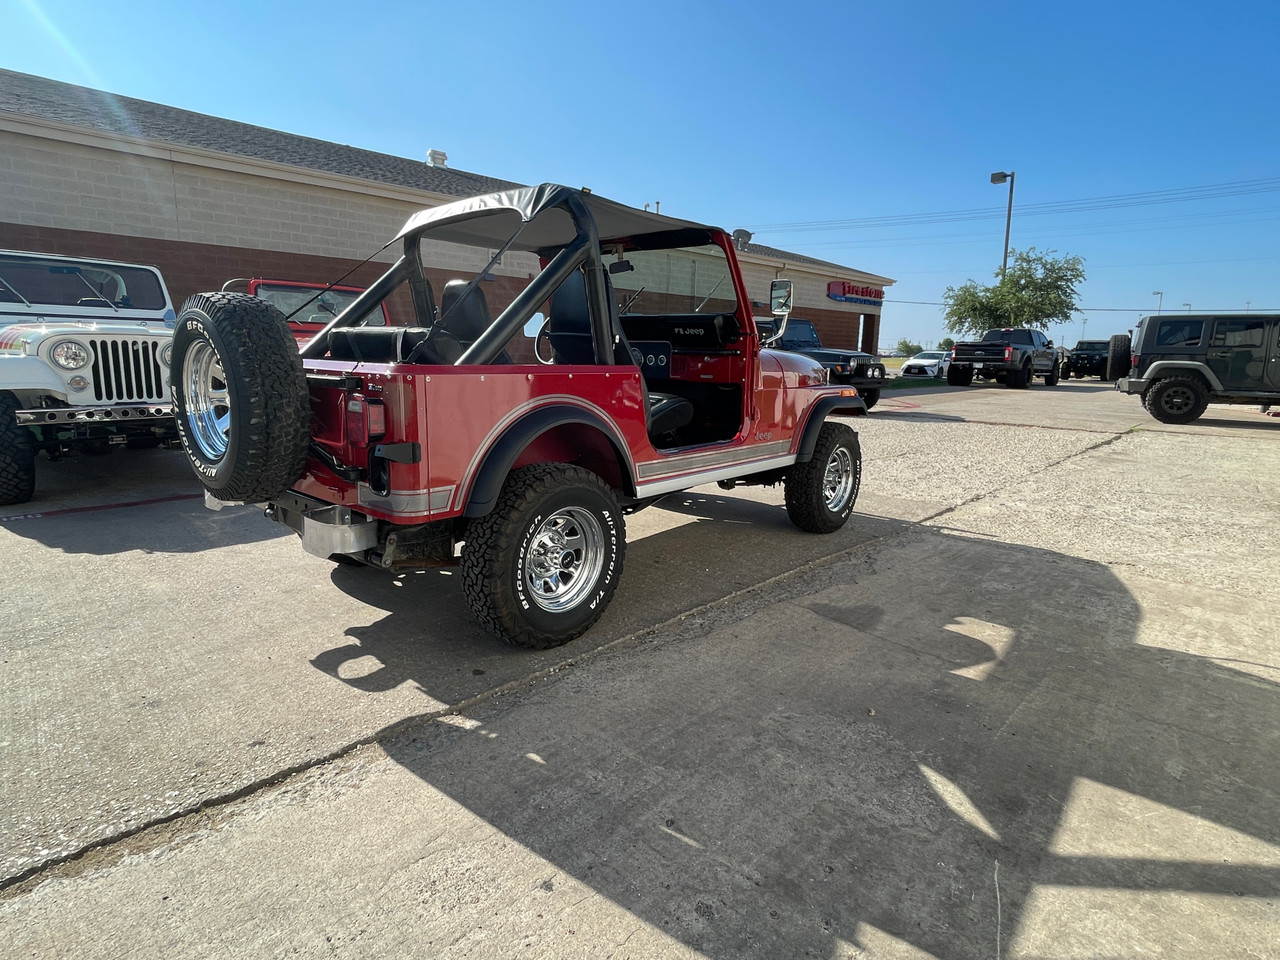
847 292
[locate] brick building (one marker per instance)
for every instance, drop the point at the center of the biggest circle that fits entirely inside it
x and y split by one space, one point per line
87 173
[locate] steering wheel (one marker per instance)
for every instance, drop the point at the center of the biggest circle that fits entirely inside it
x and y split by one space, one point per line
542 343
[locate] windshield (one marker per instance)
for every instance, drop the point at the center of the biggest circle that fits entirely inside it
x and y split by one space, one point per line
799 335
1091 345
287 298
67 283
682 280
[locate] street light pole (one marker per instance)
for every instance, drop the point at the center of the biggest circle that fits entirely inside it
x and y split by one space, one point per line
1001 177
1188 306
1160 302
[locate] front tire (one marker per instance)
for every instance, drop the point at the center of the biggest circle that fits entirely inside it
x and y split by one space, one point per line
870 396
17 455
1052 379
821 492
240 396
1176 400
541 567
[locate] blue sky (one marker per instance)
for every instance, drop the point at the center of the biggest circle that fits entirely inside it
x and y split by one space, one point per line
753 115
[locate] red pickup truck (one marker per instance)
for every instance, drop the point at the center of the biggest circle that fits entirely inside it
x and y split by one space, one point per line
572 360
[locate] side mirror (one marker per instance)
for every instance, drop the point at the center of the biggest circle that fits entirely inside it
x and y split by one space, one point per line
780 298
1051 343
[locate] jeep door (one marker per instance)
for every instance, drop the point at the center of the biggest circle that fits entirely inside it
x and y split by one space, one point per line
1237 352
1273 365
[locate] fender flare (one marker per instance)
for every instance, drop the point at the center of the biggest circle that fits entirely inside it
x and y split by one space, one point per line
495 466
818 414
1161 369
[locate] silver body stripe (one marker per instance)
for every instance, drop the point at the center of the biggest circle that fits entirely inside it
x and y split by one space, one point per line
661 487
738 455
407 501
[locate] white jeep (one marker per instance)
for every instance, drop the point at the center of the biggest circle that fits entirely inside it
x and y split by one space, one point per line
84 361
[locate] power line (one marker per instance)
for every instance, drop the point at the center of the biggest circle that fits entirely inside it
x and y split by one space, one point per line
1144 310
1234 188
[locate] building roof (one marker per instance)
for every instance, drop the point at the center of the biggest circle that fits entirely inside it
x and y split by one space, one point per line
52 100
26 95
773 253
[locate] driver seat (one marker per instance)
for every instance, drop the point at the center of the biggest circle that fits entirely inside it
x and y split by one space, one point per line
570 332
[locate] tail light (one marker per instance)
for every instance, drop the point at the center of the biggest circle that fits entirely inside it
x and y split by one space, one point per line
366 420
1008 354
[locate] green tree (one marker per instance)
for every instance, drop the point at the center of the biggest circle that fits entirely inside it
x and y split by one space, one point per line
1037 289
907 348
946 343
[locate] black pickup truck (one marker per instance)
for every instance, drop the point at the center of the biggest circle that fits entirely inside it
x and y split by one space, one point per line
846 367
1013 357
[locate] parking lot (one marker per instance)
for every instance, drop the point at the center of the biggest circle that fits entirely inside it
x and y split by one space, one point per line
1024 704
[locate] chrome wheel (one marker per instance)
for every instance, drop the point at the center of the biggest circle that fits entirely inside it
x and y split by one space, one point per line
565 556
837 479
208 405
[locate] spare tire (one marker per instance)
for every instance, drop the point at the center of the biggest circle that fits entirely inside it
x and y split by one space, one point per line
1119 349
240 396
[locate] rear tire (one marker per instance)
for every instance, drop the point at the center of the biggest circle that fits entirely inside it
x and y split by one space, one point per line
1119 357
1020 379
541 567
1176 400
240 396
17 455
821 492
959 376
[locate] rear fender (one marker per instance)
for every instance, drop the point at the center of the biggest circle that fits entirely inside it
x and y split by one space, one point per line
557 433
1163 369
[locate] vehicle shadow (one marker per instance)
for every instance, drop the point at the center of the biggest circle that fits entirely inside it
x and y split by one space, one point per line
686 555
903 751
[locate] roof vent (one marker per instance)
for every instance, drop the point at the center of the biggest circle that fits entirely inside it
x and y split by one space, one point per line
437 158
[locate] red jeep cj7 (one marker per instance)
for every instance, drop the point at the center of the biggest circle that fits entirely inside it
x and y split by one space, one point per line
620 364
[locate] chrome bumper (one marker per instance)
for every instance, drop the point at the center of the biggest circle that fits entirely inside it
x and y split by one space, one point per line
139 411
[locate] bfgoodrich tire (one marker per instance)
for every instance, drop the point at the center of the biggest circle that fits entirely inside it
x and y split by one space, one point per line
17 455
821 492
1119 350
1176 400
240 396
541 567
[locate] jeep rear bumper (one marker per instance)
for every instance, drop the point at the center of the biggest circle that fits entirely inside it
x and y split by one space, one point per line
325 528
1132 384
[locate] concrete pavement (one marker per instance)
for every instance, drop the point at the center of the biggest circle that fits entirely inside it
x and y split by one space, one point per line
1028 708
